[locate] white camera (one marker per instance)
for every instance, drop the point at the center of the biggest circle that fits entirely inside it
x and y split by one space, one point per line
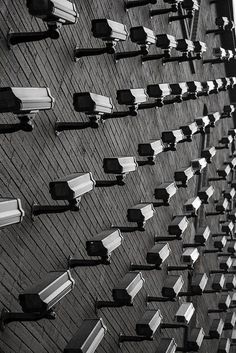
11 212
208 153
192 205
178 225
183 175
125 291
185 313
198 283
88 337
104 243
172 286
43 296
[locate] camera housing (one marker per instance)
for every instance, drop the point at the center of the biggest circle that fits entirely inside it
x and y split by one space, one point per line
190 256
142 35
125 291
72 186
165 192
158 254
88 337
178 225
183 175
140 213
150 149
11 212
224 345
131 97
195 339
216 328
104 243
192 205
92 103
119 165
185 313
60 11
43 296
172 286
198 165
167 345
208 153
206 193
109 30
218 282
198 283
148 323
230 321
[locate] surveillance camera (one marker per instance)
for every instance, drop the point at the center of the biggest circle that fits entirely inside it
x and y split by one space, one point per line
119 165
165 41
158 254
165 191
25 100
224 172
224 345
202 123
172 286
178 226
167 345
54 11
91 103
140 213
72 186
199 47
131 97
211 87
185 313
226 263
184 45
149 323
227 227
108 30
194 87
172 136
183 175
44 295
214 117
218 282
198 283
11 212
142 35
198 165
232 247
192 205
195 339
224 302
190 255
88 337
208 153
222 205
202 235
160 90
104 243
216 328
220 242
230 321
125 291
189 130
230 282
205 193
152 148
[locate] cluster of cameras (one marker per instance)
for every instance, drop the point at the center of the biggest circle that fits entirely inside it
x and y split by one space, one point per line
221 55
26 102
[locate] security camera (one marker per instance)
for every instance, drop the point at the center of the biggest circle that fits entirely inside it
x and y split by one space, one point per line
229 193
11 212
232 247
167 345
190 256
178 225
158 254
199 48
108 31
224 172
91 103
172 286
208 87
194 89
226 263
104 243
159 92
202 123
227 111
220 243
198 165
191 206
69 188
198 283
183 175
133 98
227 227
178 89
125 291
170 138
208 153
25 103
230 282
216 328
230 321
218 282
195 339
188 131
214 117
46 294
142 36
140 213
54 12
151 148
165 192
149 323
224 345
205 194
119 165
185 313
88 337
224 302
